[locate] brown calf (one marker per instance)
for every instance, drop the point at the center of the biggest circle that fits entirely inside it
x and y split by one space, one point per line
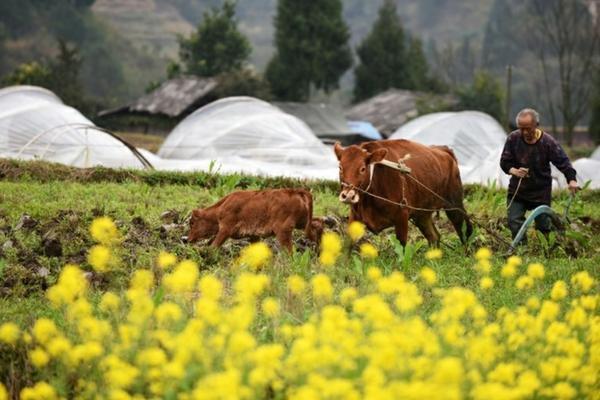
257 214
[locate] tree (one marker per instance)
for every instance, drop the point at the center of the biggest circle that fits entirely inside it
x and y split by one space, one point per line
217 46
501 44
484 95
312 48
383 56
566 42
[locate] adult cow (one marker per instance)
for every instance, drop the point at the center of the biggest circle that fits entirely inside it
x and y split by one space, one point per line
374 190
257 214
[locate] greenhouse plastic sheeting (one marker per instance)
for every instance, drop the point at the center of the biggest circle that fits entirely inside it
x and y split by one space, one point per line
243 134
35 124
476 138
596 154
587 169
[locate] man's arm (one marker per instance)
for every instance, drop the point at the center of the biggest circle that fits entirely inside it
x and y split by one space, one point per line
559 158
507 162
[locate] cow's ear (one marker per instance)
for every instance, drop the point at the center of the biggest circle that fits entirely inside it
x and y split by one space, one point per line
337 147
377 155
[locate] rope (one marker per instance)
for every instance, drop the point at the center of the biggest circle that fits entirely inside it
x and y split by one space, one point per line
515 193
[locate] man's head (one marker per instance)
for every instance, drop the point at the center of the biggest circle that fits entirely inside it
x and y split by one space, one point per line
527 122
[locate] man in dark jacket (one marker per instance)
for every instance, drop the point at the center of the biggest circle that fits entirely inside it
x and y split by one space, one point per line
527 155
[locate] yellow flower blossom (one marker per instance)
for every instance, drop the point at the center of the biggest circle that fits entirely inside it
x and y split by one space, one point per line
270 307
3 392
183 278
348 295
331 247
9 333
486 283
536 271
559 291
109 302
428 276
255 256
142 279
40 391
99 258
44 329
39 358
374 273
327 258
356 230
533 303
524 282
322 289
166 259
583 281
104 230
433 254
296 285
483 254
168 313
367 250
508 270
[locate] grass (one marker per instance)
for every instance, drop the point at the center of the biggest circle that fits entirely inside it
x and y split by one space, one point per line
64 208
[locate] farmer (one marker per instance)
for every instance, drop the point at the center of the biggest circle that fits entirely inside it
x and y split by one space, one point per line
526 156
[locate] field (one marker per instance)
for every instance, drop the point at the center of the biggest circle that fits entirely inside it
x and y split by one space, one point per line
361 317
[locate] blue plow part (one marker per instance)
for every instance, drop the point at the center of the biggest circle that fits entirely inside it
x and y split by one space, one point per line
544 209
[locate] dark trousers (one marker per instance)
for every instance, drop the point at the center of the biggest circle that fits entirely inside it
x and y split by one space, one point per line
516 218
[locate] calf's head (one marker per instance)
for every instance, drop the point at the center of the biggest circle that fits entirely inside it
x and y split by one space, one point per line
354 164
202 226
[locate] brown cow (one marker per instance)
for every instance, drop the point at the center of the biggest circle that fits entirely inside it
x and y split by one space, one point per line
257 214
434 166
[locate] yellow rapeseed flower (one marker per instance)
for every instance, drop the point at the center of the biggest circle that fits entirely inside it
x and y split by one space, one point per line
44 329
211 287
104 230
374 273
327 258
322 289
509 270
433 254
40 391
559 291
255 256
3 392
296 285
39 358
486 283
142 279
9 333
168 313
270 307
356 230
367 250
583 281
183 278
166 259
99 258
109 302
428 276
524 282
348 295
533 303
331 242
483 254
536 271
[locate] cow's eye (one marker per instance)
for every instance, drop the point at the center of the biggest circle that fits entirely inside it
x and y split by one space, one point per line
363 170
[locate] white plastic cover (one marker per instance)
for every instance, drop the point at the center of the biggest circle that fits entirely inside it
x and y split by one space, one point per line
35 124
476 138
587 169
596 154
244 134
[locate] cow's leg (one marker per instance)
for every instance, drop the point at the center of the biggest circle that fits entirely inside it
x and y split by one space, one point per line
425 224
284 237
222 236
401 227
460 221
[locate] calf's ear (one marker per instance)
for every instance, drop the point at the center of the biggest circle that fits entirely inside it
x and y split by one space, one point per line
377 156
338 150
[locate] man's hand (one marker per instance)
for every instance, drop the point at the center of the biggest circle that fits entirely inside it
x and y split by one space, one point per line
519 172
573 187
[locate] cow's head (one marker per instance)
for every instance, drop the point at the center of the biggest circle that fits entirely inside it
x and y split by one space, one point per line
202 226
354 169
